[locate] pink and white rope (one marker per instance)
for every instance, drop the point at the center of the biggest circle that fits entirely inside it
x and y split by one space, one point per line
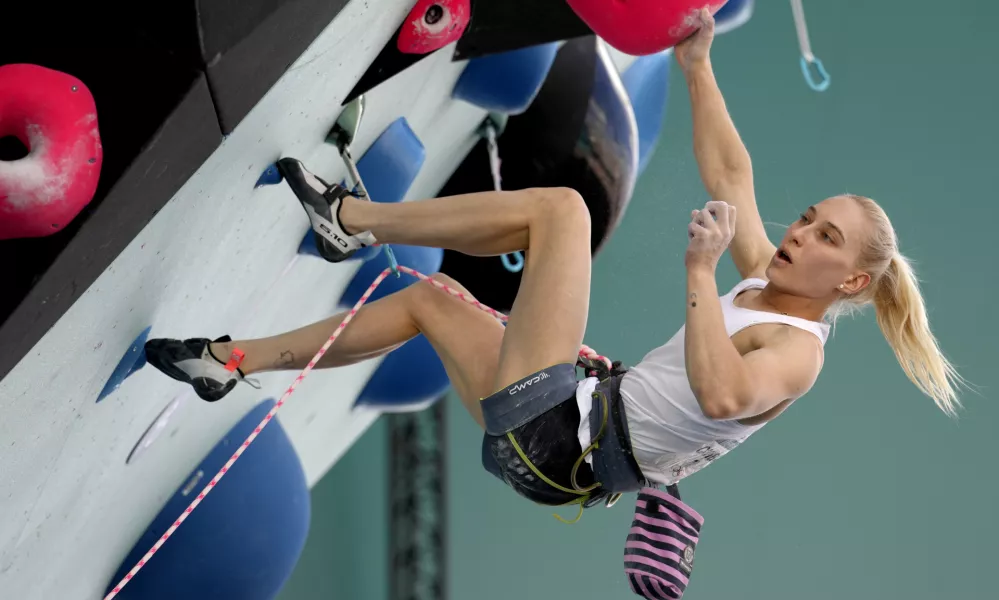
585 352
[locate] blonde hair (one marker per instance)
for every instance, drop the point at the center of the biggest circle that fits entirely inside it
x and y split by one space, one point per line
901 313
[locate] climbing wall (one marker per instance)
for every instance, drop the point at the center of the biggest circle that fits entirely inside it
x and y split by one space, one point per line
219 258
100 455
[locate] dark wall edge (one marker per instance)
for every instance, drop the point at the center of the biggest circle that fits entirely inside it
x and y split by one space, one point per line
246 71
223 94
183 143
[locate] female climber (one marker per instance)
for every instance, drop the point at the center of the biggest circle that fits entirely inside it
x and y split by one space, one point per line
740 360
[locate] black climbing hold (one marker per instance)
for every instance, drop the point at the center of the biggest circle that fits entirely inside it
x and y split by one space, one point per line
495 26
389 63
559 141
505 25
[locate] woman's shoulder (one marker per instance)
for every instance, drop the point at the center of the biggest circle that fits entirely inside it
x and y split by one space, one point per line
748 283
800 349
793 338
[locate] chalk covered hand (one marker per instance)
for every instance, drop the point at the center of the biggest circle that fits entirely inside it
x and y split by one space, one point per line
696 49
710 232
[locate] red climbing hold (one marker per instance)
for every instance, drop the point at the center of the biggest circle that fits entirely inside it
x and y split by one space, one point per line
54 115
433 24
641 27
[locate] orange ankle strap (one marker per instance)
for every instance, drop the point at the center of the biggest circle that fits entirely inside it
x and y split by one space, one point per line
235 359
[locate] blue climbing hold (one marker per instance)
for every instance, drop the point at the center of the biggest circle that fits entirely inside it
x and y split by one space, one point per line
506 82
733 15
270 176
133 360
423 259
244 539
647 84
387 169
409 378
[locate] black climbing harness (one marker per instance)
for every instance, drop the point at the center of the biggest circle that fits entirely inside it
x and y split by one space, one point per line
613 477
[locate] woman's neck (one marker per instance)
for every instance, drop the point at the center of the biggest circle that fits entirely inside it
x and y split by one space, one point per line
812 309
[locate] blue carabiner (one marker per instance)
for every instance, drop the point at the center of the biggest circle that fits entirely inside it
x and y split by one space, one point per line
393 263
819 86
514 266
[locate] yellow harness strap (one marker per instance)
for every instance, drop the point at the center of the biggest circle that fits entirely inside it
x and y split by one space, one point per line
584 493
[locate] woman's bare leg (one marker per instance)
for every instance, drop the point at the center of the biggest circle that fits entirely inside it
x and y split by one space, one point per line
465 338
547 321
549 315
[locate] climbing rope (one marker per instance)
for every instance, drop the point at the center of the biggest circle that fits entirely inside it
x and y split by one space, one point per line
513 262
585 352
807 58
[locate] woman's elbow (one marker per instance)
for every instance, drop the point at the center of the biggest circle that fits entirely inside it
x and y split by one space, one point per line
719 407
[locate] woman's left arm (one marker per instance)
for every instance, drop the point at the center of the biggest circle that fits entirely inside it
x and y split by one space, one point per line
727 384
722 157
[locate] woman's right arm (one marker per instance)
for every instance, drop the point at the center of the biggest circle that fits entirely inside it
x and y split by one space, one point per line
724 163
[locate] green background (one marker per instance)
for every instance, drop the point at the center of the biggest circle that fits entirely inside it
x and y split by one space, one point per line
863 489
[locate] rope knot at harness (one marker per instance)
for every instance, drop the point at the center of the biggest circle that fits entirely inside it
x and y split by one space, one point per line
589 356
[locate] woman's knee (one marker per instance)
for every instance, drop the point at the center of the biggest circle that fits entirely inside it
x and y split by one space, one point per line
562 206
429 294
447 280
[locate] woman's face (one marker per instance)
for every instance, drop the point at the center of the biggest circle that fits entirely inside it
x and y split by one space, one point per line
820 251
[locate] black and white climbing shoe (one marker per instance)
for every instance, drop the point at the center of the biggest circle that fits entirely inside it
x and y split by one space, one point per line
192 361
322 203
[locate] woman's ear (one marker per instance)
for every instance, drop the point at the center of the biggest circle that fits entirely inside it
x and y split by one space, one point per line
855 284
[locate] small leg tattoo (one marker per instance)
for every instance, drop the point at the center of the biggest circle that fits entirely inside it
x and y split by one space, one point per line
286 358
693 300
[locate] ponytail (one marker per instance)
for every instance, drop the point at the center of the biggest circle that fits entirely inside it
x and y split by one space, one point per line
901 315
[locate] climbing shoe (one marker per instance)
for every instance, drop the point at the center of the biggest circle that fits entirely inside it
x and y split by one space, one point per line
192 361
322 203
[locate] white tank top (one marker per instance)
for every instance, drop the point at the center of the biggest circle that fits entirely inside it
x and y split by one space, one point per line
670 435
